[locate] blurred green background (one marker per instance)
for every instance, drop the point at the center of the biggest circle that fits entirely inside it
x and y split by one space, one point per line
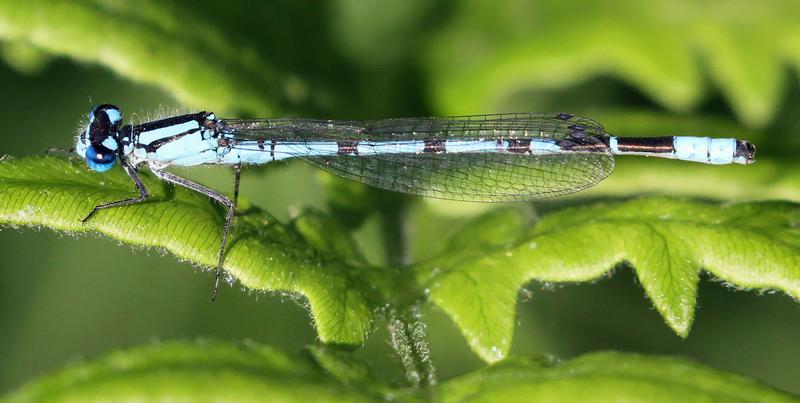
726 69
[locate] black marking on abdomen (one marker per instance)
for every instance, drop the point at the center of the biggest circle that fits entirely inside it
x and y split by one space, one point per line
660 145
434 147
519 146
347 147
584 144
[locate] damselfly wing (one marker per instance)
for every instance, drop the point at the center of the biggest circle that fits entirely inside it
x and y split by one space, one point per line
485 158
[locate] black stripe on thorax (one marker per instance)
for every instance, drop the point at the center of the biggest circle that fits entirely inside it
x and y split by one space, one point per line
156 144
199 117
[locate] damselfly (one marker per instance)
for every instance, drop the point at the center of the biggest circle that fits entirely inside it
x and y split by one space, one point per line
485 158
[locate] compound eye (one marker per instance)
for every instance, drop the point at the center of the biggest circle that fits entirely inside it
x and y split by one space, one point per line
100 158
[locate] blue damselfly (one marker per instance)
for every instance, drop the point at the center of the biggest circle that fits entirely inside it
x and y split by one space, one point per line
485 158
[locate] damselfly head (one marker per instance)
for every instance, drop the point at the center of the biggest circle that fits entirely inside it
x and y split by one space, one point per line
98 142
745 152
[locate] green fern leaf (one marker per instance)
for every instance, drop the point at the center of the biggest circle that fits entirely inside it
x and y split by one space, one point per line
150 44
666 241
263 254
506 47
234 372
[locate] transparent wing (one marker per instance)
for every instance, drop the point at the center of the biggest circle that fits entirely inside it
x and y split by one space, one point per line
480 177
486 175
503 125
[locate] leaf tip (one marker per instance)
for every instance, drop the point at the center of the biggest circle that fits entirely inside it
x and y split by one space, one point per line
681 321
492 354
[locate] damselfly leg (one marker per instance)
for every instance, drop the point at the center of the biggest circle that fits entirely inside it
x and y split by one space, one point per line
231 206
143 194
238 175
177 180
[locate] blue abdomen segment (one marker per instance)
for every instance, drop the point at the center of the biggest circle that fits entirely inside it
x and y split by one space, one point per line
705 150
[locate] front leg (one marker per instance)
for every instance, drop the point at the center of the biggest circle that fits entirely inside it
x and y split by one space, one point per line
143 195
177 180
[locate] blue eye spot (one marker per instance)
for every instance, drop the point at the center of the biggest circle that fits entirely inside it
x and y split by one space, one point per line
99 158
114 116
